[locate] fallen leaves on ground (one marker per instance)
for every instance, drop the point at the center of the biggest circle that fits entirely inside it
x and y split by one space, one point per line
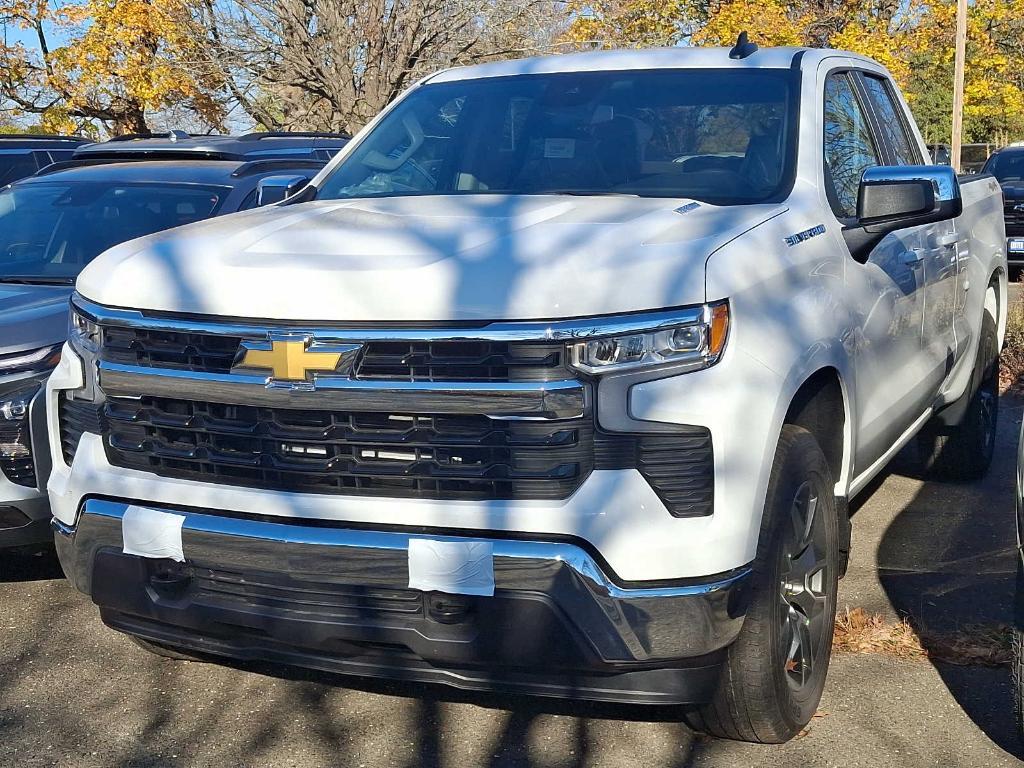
857 631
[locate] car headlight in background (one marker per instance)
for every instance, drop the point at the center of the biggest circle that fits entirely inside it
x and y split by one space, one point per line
33 360
693 345
15 439
16 462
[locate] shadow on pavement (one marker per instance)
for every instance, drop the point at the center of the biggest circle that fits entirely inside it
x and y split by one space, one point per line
24 565
947 562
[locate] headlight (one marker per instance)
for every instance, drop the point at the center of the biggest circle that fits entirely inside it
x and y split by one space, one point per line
43 359
14 438
692 345
83 332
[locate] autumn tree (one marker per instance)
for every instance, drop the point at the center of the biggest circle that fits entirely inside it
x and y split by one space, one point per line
912 38
117 63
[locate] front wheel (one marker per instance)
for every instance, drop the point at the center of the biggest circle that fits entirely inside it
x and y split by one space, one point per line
775 672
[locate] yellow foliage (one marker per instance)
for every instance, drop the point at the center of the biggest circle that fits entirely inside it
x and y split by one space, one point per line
122 57
913 39
625 23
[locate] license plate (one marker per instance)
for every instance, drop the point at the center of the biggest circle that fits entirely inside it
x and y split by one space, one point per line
1016 245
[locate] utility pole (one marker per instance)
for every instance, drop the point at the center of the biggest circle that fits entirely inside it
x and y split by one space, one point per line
958 82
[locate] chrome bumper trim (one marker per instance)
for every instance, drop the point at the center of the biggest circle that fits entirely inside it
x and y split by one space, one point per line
624 624
565 399
518 330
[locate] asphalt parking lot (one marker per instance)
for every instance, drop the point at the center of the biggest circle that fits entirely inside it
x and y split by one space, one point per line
73 693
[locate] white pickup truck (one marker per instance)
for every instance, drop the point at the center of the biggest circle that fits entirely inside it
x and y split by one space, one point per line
559 379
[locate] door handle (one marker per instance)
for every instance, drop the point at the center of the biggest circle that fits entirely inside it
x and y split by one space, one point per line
912 257
948 239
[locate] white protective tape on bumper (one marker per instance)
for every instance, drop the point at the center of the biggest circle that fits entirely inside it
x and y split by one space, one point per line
455 567
152 533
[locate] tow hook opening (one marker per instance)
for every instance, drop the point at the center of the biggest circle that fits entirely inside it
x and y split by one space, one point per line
448 609
170 579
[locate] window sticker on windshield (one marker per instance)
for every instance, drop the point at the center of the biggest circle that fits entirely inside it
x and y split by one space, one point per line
559 149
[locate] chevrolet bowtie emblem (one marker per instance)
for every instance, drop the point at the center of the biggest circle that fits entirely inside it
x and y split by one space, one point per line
291 359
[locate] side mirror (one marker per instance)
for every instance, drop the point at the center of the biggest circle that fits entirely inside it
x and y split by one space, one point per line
274 189
892 198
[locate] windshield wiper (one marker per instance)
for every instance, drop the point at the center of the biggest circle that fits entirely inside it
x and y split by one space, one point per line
38 280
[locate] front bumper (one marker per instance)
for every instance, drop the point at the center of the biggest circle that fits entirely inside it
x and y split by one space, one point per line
337 598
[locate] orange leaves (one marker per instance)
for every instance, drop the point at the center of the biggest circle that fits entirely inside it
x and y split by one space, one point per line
625 23
121 57
769 22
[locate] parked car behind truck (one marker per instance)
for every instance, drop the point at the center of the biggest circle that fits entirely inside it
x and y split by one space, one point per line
23 154
559 379
1007 166
56 222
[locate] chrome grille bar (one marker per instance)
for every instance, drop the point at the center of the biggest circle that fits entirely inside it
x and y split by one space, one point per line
524 330
566 399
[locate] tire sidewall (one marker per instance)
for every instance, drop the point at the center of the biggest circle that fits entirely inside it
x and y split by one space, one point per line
801 460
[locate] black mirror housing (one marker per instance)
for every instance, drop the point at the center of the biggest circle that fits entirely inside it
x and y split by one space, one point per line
892 198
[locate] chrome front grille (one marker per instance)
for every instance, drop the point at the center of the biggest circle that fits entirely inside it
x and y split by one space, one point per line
491 412
422 361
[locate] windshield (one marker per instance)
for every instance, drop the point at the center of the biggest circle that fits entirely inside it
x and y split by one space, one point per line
1007 167
50 231
721 136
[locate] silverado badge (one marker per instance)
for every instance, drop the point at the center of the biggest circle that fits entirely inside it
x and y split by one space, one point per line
292 358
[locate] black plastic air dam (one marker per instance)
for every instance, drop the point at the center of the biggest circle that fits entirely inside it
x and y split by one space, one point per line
513 642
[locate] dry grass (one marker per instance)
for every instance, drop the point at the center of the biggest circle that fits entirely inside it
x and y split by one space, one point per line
857 631
1011 371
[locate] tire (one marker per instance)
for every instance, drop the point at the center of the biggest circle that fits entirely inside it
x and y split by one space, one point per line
774 673
964 451
165 651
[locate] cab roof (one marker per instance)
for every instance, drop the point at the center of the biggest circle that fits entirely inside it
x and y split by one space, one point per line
647 58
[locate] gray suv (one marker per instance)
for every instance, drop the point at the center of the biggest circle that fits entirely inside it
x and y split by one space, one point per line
55 222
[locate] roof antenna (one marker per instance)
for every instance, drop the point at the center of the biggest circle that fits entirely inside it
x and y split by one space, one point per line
743 47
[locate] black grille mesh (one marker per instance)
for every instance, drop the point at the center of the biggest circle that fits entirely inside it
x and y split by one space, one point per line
1014 218
396 455
76 417
402 455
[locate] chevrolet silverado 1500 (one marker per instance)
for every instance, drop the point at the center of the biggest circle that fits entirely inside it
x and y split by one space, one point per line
558 379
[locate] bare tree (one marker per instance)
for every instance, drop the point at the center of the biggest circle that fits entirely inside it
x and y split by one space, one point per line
333 64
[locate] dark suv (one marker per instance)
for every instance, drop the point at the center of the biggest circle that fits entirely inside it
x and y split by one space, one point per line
23 154
1007 165
55 222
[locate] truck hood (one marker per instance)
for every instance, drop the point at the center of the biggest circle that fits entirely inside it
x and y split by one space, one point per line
436 258
32 316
